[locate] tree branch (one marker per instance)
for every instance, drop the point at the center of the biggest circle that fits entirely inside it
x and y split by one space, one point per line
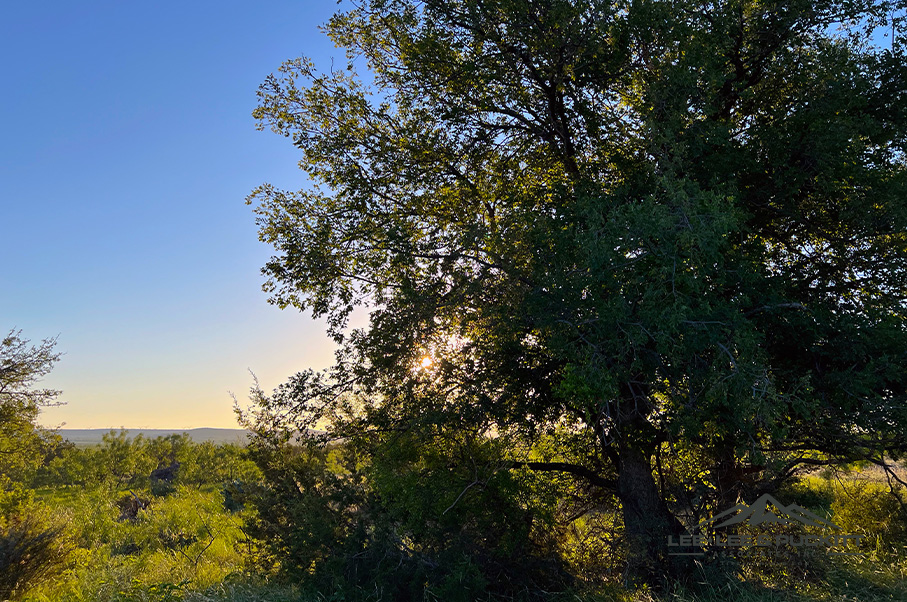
574 469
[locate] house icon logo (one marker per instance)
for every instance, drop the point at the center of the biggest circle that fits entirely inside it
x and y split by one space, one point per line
759 513
765 512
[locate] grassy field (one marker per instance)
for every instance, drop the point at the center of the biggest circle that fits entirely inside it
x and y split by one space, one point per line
131 545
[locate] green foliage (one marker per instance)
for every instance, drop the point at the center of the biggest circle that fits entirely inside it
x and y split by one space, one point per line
130 544
375 525
402 522
31 551
180 545
123 461
874 510
814 493
32 548
159 592
22 443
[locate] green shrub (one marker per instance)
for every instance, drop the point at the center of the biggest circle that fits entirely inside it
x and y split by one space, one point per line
404 525
30 551
816 494
871 509
185 538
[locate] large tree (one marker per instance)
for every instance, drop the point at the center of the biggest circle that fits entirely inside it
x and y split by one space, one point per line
630 228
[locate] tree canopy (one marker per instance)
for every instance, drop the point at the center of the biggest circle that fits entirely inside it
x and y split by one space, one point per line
635 230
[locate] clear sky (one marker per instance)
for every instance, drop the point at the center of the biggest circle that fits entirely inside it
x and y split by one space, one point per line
126 151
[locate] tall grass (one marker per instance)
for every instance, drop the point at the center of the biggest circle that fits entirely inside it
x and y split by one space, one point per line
182 543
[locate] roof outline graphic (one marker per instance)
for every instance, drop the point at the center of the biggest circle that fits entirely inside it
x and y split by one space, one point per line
758 513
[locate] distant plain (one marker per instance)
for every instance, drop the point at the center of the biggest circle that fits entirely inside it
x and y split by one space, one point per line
86 437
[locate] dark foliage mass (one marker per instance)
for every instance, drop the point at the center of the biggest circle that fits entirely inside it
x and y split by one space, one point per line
398 529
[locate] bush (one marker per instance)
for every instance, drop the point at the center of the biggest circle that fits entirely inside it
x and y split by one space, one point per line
870 508
30 552
404 524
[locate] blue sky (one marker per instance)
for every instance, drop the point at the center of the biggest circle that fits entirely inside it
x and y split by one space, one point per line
127 149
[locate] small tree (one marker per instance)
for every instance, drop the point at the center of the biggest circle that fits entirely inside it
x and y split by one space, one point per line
22 442
30 550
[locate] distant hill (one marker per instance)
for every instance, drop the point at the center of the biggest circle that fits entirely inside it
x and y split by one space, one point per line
94 436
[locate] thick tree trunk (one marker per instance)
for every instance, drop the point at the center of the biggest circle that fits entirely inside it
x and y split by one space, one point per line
648 523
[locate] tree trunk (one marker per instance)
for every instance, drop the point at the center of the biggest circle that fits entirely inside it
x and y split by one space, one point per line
647 524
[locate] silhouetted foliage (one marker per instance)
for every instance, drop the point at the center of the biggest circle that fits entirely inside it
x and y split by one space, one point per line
398 525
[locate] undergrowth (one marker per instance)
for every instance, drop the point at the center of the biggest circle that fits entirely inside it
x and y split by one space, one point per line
129 545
